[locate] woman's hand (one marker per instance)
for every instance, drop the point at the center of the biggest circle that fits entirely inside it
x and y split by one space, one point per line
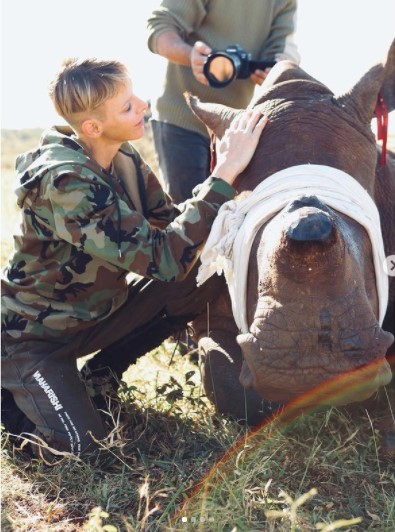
236 148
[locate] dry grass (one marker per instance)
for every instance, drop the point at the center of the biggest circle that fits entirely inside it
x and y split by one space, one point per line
173 460
176 465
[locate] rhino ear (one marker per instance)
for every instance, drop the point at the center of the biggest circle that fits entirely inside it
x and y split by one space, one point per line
216 117
387 90
379 79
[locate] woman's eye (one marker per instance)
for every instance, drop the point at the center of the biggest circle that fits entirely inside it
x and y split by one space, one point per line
128 108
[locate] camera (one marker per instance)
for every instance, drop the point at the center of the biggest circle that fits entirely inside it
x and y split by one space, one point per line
222 67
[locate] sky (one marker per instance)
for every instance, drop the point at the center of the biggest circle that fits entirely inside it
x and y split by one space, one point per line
339 40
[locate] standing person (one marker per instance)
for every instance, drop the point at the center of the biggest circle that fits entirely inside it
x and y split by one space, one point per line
92 211
185 33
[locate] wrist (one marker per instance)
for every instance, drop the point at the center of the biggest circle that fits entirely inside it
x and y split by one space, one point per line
225 173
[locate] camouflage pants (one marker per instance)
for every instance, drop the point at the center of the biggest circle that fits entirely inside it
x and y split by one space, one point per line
42 375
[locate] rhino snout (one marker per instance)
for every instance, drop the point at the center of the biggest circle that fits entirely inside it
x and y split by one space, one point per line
311 224
310 244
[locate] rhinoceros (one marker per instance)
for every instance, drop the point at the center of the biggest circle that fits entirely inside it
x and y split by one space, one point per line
306 304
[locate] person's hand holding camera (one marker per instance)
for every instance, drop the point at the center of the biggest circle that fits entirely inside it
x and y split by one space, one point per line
199 53
259 76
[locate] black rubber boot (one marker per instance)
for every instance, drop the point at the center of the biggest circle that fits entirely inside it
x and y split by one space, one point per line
14 420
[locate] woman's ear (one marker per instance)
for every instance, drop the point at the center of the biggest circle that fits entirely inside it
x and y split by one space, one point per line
92 128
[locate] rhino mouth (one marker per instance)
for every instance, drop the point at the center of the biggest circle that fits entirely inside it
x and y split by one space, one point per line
330 366
311 386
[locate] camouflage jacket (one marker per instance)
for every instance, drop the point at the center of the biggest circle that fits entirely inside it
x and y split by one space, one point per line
83 229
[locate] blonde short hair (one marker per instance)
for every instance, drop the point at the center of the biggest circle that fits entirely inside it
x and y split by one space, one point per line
82 85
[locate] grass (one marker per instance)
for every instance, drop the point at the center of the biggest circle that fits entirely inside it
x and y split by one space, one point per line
176 465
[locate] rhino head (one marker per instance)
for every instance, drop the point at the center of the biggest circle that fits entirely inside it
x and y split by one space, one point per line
313 311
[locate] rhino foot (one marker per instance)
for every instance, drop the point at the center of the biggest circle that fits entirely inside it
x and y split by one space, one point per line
387 449
221 362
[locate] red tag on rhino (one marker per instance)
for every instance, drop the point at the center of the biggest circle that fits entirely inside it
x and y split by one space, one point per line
381 113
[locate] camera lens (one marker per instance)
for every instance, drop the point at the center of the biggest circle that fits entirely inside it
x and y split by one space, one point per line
220 69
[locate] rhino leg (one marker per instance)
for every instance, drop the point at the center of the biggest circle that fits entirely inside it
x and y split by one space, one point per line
386 427
221 364
381 411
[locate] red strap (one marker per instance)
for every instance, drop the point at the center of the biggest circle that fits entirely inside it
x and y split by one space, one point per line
381 112
213 155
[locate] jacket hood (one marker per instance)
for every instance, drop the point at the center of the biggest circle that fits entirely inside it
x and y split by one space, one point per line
58 147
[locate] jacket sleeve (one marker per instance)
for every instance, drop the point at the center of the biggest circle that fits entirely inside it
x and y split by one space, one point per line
160 207
178 15
281 40
91 216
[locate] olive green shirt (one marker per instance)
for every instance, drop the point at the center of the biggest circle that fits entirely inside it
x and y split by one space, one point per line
263 28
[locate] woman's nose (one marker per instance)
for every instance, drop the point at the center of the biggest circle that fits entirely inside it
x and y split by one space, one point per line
142 105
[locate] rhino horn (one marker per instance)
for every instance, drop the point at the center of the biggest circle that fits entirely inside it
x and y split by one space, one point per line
216 117
380 79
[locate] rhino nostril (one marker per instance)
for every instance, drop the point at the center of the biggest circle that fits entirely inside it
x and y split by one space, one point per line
310 226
